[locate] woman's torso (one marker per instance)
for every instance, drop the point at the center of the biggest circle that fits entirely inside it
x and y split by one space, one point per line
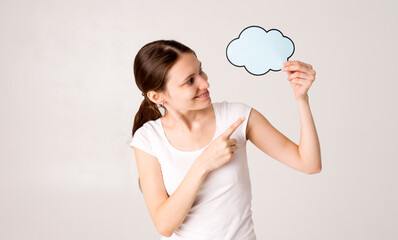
222 208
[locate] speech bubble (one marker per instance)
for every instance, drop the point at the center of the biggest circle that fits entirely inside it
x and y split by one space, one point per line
259 50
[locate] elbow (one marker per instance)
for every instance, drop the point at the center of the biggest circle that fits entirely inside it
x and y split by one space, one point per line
164 230
164 224
314 169
165 234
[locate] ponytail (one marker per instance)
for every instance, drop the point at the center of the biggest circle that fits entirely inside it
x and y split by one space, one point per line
148 111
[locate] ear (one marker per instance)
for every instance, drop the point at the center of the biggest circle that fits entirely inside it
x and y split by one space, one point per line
155 97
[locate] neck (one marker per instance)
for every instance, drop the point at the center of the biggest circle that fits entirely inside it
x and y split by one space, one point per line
187 121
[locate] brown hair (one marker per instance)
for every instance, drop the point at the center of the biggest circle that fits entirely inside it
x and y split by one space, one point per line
151 65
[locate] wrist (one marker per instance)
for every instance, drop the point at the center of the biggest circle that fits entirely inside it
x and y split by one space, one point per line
304 98
201 167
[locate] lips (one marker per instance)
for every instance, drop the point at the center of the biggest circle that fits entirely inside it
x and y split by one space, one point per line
203 93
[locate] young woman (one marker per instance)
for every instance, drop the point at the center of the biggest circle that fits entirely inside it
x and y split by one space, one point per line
191 160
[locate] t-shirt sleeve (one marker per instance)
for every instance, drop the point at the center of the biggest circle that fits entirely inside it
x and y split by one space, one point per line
142 140
244 110
235 110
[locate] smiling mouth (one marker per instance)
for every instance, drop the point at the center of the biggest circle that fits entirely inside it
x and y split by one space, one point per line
203 94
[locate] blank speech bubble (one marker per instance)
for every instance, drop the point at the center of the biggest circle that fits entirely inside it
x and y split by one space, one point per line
259 50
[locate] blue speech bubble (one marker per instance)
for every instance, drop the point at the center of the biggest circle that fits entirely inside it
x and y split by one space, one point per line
260 51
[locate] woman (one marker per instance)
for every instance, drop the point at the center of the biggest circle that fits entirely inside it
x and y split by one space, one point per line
191 161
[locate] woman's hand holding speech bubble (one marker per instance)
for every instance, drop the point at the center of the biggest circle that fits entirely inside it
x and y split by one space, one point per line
301 76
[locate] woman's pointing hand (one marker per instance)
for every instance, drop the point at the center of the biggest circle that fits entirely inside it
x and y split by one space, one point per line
221 150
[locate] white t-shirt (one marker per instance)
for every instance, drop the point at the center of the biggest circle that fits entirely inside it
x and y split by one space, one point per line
222 208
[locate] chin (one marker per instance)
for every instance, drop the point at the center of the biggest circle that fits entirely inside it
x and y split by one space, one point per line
208 102
203 103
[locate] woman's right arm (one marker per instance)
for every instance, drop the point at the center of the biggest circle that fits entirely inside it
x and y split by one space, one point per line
166 212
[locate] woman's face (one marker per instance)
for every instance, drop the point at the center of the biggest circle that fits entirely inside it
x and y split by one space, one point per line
186 83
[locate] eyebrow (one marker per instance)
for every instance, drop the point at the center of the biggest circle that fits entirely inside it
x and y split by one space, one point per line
191 74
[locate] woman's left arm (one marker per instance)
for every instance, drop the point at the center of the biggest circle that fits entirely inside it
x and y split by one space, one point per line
306 157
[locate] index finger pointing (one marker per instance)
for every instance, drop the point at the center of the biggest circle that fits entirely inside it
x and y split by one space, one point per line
233 127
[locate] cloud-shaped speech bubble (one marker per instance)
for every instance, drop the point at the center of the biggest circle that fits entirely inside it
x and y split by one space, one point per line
259 50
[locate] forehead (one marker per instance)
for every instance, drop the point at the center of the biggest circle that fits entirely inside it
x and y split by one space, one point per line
185 65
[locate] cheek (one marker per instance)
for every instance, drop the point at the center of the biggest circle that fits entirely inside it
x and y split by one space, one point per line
183 95
191 94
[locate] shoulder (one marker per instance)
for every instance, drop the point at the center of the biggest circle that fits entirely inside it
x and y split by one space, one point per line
146 137
233 107
230 112
149 128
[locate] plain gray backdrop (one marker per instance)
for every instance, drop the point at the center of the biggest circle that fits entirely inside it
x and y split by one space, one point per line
68 99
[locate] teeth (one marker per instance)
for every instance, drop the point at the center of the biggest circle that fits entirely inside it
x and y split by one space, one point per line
202 94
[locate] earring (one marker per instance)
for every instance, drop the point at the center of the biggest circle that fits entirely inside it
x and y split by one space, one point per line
162 104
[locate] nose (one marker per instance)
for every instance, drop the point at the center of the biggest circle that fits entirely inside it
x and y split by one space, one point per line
203 83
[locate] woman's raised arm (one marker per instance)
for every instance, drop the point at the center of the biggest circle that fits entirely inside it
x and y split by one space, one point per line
306 157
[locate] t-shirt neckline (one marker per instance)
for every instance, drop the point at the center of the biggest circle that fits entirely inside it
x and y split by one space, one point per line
195 151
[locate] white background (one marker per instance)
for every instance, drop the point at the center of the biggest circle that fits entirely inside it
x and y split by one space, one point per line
68 99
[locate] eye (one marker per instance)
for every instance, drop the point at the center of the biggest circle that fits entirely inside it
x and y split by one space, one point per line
190 81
